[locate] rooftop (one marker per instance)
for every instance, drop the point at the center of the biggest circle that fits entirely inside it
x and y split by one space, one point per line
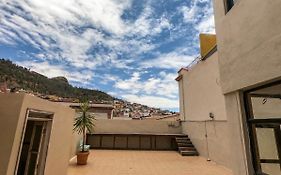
124 162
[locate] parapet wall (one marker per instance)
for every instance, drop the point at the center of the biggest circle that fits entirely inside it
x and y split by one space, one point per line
137 126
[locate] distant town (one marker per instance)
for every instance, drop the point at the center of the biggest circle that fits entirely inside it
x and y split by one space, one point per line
122 109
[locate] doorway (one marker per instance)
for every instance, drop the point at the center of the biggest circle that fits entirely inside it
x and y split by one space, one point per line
263 110
34 145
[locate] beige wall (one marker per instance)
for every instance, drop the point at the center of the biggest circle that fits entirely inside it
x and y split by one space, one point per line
181 97
203 95
240 154
75 144
216 146
249 47
202 91
249 42
135 126
10 107
61 133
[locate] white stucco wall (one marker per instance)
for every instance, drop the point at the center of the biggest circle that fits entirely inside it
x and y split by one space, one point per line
249 43
200 89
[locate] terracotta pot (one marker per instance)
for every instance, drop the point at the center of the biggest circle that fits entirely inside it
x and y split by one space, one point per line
82 158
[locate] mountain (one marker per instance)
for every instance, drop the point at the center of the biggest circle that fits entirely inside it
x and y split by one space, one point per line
22 78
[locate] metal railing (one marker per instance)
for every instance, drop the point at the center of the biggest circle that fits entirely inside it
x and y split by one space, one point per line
194 62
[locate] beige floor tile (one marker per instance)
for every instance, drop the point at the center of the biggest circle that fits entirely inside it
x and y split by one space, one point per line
119 162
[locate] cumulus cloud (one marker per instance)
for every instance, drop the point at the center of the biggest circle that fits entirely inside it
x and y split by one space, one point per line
171 60
51 71
138 57
152 101
69 30
200 14
161 85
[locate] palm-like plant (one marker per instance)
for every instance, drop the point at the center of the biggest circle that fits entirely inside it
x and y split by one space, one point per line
84 122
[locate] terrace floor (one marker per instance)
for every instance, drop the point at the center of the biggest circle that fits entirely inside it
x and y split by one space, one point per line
124 162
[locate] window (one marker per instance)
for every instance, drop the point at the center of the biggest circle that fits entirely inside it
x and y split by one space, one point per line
229 4
263 109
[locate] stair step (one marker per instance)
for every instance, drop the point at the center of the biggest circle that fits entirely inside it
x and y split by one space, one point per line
182 137
189 153
185 145
183 141
179 139
187 148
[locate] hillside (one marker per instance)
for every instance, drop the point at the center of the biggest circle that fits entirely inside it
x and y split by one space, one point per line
22 78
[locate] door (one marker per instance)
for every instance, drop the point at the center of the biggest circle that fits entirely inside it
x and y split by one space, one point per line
34 147
38 133
263 110
268 136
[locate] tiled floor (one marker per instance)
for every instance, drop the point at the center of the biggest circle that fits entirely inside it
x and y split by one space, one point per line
115 162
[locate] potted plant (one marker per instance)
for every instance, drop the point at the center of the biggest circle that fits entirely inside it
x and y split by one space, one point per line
82 124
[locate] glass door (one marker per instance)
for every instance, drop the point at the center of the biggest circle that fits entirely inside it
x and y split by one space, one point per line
268 144
34 148
263 110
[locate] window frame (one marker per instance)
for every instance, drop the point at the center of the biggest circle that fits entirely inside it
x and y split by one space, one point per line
251 122
228 4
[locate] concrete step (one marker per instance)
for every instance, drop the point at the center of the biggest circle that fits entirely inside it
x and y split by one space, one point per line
182 136
185 144
180 139
187 148
183 141
189 153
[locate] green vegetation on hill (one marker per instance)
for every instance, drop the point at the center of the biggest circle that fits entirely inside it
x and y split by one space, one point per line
20 77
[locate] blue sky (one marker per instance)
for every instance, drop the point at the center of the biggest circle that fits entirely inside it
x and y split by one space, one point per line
130 49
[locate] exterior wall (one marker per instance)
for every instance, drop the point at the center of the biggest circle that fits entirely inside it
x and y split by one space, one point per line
216 145
61 133
76 138
203 95
202 91
249 43
181 98
9 115
135 126
240 153
249 47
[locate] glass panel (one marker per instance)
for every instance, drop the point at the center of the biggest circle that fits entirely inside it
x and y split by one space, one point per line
271 169
25 147
37 137
267 143
32 163
264 108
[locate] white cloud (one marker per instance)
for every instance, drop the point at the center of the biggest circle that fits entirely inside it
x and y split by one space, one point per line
172 60
152 101
189 13
201 16
90 34
68 30
51 71
161 85
207 25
